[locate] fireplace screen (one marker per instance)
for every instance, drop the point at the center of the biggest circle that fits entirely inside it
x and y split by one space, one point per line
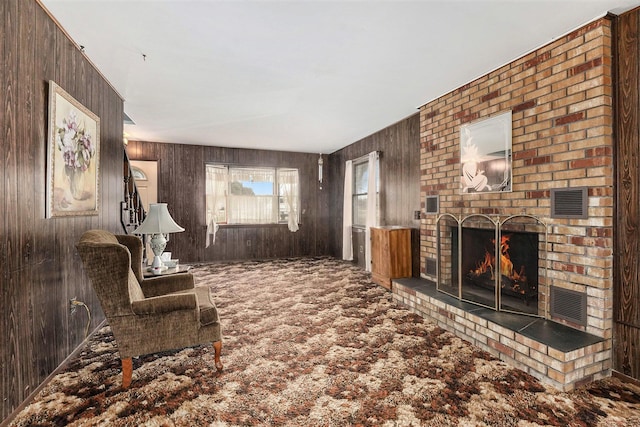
492 264
512 264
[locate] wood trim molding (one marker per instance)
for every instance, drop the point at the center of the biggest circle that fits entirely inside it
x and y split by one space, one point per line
77 46
65 362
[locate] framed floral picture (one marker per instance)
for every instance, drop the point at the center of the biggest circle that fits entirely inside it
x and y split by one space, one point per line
73 156
485 155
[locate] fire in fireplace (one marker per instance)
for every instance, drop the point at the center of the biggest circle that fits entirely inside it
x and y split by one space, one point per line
513 264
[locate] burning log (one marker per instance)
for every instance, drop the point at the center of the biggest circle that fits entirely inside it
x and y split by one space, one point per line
512 282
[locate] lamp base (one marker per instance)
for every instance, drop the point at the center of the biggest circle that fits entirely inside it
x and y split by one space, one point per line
158 243
157 263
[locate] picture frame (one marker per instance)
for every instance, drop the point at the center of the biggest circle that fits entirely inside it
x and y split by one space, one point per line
485 155
73 156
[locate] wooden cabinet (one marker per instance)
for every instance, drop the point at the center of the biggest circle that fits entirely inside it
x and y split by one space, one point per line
390 254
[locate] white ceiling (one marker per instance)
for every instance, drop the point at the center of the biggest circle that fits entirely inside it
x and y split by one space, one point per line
306 76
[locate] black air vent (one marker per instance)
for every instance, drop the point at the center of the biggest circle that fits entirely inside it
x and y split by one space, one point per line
431 204
430 266
569 305
569 202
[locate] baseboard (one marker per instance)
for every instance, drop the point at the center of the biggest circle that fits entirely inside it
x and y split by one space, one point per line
28 399
625 378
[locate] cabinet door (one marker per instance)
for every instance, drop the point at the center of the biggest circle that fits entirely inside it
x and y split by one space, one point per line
391 255
399 253
379 251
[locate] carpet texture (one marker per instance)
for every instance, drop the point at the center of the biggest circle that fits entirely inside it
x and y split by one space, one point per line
313 342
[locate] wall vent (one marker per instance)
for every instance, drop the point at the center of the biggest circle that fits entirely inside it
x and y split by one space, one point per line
569 202
569 305
430 266
431 204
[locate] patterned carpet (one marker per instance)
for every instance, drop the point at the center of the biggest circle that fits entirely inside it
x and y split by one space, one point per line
313 342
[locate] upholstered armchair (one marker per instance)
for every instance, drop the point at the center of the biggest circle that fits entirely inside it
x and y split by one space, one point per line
146 315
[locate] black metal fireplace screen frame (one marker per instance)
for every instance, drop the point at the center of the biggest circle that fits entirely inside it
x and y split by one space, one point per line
514 223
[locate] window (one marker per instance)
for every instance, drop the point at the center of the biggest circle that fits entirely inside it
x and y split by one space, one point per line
360 193
245 195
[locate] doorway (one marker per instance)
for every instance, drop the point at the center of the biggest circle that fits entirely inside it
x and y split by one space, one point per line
145 175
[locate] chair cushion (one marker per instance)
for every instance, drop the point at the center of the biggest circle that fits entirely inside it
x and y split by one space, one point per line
208 310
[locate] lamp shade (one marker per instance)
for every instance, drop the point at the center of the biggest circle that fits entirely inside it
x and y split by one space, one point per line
158 220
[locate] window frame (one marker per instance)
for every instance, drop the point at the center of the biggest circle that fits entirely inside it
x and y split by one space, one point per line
277 197
359 162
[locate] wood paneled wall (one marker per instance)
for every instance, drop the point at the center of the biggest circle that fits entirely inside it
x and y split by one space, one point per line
626 290
40 270
181 184
399 147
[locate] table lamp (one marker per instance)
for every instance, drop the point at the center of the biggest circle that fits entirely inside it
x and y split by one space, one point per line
158 223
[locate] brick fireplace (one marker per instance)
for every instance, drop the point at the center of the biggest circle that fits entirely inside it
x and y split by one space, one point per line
560 97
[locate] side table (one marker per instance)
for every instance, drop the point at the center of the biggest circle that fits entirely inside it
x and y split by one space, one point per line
181 268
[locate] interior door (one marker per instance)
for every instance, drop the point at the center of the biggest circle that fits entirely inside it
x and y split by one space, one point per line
145 174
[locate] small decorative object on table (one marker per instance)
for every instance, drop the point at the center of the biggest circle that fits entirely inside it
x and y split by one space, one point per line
170 263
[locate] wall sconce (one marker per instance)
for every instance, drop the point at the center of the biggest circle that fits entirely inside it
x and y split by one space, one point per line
320 163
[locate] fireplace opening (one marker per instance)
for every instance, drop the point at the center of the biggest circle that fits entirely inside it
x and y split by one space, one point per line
511 265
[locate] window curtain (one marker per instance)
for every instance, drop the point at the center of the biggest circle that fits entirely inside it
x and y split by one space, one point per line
372 204
258 175
347 214
250 208
216 191
288 181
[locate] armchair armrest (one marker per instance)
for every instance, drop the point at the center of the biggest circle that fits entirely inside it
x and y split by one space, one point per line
165 304
162 285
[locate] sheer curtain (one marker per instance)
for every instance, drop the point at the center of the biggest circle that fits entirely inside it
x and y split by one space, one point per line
288 181
372 204
251 175
251 208
216 191
347 212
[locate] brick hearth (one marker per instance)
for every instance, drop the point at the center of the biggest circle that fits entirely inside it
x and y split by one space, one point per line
555 354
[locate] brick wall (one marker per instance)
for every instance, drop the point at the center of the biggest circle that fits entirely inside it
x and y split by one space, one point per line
562 136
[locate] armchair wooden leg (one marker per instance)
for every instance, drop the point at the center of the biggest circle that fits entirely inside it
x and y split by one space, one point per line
127 372
217 348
